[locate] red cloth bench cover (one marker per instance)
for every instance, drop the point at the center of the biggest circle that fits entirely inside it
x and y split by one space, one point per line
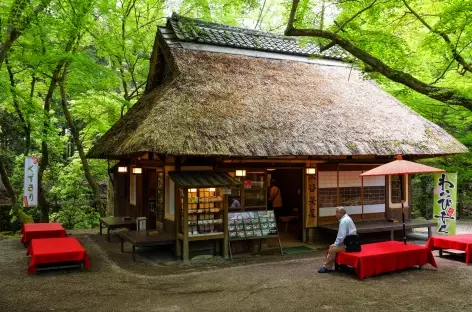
41 230
458 242
385 257
55 250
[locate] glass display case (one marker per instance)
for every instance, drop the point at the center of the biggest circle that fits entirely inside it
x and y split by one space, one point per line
205 211
253 192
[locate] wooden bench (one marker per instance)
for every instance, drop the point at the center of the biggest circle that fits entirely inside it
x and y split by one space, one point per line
145 239
386 226
116 223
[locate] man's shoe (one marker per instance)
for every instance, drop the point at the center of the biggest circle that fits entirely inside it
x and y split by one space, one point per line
324 270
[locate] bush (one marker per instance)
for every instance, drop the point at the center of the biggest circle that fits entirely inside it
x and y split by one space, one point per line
76 217
422 189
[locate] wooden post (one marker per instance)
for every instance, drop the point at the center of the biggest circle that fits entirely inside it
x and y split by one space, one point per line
177 217
362 196
185 225
225 227
337 186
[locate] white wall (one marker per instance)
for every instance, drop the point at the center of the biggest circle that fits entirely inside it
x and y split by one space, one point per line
327 179
350 179
374 181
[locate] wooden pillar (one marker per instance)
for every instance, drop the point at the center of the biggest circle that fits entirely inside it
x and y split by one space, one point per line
185 225
225 227
177 217
337 186
362 196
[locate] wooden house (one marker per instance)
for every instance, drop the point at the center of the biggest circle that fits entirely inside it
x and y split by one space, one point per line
222 99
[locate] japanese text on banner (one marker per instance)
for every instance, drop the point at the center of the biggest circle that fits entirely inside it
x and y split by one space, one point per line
445 202
30 193
311 217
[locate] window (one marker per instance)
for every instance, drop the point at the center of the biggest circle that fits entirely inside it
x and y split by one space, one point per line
252 193
394 190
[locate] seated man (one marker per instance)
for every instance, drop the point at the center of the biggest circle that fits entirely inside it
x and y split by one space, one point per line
346 228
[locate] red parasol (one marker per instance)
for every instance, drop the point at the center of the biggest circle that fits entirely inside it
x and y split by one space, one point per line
401 167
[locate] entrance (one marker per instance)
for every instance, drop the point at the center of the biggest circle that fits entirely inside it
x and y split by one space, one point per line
153 205
290 182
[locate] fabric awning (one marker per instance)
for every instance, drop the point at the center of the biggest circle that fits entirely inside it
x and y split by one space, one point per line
198 179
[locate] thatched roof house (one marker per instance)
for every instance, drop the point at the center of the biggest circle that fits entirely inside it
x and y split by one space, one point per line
227 91
259 107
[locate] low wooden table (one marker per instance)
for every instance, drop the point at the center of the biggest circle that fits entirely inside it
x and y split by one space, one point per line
144 239
384 226
116 223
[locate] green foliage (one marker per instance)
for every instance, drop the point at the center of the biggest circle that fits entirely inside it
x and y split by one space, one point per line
76 217
107 46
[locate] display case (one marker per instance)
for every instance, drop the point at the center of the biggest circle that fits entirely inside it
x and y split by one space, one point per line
205 209
252 194
201 211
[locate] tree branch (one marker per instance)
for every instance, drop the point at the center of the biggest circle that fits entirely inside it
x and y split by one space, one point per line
17 23
455 54
340 27
445 95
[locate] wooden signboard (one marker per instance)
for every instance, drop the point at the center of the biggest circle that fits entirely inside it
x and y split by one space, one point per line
311 210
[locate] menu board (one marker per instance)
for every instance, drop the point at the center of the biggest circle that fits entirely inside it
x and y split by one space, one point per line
251 224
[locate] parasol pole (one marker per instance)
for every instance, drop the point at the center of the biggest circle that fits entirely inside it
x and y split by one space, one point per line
403 206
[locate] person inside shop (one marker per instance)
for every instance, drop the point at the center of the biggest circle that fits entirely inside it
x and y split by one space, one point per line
236 203
275 199
347 231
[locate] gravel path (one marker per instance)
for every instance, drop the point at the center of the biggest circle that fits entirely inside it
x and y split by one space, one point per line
285 284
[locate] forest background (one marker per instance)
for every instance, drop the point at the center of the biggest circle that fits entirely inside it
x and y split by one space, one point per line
69 69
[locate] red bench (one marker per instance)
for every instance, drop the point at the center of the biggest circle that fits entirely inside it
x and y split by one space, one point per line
461 242
50 251
385 257
41 230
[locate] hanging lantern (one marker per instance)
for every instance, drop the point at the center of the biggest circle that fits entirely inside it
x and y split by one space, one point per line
241 173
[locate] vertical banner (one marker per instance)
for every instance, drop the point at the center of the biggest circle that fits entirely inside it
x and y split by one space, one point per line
445 202
30 193
311 201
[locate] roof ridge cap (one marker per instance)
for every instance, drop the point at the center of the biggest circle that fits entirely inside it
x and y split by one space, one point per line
202 23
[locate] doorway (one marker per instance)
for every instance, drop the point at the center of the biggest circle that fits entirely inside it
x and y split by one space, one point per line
153 205
290 182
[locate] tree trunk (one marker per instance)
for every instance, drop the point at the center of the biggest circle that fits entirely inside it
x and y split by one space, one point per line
6 182
80 149
44 204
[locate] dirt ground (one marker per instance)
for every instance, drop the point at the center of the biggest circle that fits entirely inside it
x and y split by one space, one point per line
267 283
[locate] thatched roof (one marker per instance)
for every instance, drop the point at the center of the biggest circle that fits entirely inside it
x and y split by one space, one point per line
227 104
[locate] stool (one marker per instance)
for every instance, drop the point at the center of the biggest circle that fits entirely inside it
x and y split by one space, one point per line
287 220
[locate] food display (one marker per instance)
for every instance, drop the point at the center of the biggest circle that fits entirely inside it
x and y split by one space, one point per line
252 224
205 211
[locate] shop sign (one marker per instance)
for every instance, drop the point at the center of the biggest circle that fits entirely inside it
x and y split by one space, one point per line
311 211
30 192
445 202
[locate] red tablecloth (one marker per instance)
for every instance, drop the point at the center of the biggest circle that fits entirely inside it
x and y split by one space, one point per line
54 250
458 242
41 230
384 257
